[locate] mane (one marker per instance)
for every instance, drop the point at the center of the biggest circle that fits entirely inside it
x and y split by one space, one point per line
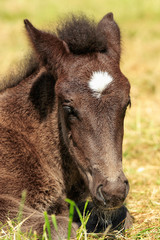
79 32
22 70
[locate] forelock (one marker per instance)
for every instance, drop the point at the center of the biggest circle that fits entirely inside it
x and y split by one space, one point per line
79 32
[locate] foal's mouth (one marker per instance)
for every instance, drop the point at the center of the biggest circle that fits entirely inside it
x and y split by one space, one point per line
106 214
107 206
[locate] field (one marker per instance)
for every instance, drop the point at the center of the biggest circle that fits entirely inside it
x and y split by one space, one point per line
140 27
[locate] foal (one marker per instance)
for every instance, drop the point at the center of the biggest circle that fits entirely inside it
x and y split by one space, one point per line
61 127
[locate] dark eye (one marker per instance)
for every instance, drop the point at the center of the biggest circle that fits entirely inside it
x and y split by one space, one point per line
69 111
129 103
125 108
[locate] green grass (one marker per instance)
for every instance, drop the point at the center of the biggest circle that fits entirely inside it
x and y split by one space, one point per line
139 21
13 227
12 230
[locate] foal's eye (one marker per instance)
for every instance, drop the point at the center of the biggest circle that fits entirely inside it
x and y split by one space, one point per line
125 108
69 111
129 103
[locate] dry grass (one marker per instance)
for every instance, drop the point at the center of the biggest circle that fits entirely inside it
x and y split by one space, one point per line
142 128
139 21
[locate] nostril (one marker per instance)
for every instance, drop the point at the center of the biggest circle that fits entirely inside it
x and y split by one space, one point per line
100 194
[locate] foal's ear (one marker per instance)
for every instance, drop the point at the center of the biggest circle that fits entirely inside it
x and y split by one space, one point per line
109 32
49 48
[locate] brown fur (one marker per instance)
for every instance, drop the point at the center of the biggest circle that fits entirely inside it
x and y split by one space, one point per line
57 139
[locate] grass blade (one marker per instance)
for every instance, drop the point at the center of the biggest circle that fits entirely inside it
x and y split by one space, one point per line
71 213
54 222
47 225
53 217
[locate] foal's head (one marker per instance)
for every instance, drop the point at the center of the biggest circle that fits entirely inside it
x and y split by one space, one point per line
93 96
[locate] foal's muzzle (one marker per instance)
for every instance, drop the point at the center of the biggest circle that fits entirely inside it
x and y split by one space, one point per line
111 194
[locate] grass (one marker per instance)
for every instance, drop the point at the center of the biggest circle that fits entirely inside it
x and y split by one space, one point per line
139 22
13 227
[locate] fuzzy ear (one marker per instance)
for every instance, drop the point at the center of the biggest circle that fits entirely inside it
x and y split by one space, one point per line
109 31
49 48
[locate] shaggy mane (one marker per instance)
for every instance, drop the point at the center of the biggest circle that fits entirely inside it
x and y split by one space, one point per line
22 70
79 32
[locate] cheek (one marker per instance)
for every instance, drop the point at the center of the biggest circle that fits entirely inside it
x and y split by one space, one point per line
78 137
77 145
120 131
65 131
75 139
